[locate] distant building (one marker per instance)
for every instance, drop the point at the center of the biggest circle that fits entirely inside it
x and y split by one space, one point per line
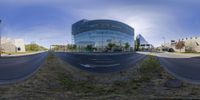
100 33
143 45
192 44
20 45
12 45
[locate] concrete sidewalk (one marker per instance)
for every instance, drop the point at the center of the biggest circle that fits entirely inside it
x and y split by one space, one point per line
18 55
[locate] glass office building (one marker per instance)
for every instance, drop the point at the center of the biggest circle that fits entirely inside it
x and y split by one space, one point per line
99 33
143 44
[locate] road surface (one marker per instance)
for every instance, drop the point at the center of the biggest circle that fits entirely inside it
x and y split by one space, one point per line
101 63
13 69
183 66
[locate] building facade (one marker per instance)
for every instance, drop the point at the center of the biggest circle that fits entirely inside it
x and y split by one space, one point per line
12 45
100 33
143 45
191 44
20 45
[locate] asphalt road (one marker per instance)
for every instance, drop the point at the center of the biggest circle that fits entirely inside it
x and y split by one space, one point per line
101 63
183 66
17 68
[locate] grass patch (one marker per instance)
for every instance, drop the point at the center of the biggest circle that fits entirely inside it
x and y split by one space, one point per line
82 86
67 82
149 68
150 65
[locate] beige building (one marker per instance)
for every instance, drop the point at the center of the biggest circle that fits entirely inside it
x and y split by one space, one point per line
192 44
12 45
20 45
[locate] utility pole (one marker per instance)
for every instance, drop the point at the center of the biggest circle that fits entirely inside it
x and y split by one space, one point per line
66 49
0 38
164 40
102 43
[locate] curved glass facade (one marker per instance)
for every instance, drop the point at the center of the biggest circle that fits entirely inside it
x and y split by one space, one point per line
102 33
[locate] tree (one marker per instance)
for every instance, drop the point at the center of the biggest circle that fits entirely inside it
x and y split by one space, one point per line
71 47
74 46
34 47
89 48
110 46
127 45
137 44
180 45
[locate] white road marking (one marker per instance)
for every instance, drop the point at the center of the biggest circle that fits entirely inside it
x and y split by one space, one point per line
111 65
92 66
101 59
85 65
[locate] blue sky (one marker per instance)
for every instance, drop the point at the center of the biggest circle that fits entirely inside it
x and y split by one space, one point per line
49 21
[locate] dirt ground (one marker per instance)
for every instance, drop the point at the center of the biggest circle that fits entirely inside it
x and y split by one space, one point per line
57 80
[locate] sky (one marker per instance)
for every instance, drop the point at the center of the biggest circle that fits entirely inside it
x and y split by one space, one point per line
49 22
